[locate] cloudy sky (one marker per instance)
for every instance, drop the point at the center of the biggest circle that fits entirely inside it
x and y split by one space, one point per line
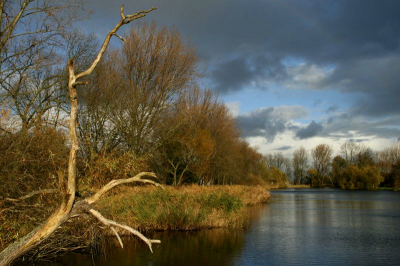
294 72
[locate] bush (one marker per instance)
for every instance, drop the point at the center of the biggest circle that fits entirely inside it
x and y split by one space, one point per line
277 178
105 167
29 162
367 177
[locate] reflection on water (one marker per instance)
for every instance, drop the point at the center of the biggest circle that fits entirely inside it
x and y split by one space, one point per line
326 227
208 247
298 227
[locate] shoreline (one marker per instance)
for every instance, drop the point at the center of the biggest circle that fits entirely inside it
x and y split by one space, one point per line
147 208
290 186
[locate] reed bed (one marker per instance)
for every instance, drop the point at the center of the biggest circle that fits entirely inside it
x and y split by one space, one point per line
182 208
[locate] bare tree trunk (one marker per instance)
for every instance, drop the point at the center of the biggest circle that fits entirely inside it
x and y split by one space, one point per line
34 238
68 205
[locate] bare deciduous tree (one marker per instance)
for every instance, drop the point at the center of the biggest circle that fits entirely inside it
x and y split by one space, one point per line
276 160
299 162
357 154
69 207
31 33
321 155
155 65
99 99
387 161
288 170
131 91
349 151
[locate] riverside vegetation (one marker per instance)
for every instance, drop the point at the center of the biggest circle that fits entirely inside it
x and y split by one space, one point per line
143 208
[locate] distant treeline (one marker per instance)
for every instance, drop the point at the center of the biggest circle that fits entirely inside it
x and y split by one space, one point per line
356 167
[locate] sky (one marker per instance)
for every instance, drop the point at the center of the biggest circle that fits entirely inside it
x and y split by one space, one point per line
293 72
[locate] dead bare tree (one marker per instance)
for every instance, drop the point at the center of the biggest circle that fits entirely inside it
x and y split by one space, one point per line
69 207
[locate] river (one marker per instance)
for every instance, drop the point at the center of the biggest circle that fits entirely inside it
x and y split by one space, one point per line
297 227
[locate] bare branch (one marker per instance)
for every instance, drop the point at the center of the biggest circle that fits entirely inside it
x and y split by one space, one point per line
28 33
124 20
7 31
80 83
117 182
139 14
111 223
122 12
43 191
119 37
1 12
117 235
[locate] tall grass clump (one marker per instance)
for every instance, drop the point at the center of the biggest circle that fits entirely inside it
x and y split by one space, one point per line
183 208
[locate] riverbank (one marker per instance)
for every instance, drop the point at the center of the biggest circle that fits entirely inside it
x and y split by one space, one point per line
309 186
289 186
182 208
144 208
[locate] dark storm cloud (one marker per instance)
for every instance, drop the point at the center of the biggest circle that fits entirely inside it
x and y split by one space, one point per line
232 75
341 33
378 81
357 140
261 123
283 148
247 71
333 119
269 122
309 131
352 126
246 44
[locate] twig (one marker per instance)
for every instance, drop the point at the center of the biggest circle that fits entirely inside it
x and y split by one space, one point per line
119 238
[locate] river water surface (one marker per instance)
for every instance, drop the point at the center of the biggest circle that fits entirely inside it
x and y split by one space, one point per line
297 227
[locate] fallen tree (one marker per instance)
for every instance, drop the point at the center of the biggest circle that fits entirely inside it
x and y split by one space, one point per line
70 207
